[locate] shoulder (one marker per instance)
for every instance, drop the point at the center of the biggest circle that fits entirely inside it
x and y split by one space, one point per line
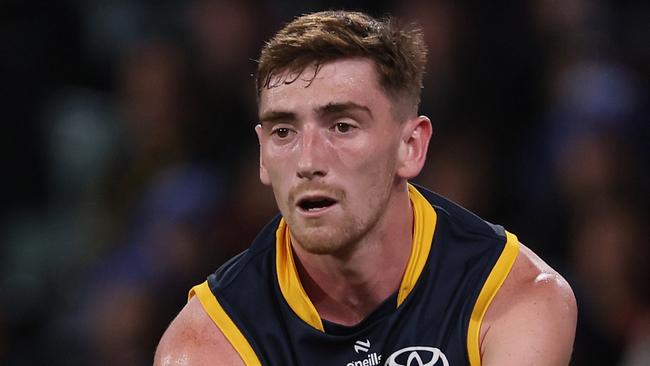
193 339
532 318
254 261
461 220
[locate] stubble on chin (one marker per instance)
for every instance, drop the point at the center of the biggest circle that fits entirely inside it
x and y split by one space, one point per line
327 240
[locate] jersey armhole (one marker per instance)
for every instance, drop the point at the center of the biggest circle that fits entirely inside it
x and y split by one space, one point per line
219 316
490 288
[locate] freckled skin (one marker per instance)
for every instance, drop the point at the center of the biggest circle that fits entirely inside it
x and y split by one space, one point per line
532 319
193 339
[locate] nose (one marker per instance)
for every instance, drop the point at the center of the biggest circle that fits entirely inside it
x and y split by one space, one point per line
312 160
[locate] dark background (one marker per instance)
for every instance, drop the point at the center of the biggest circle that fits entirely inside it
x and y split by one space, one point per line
129 166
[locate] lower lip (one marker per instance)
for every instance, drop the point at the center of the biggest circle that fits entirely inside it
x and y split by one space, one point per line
316 213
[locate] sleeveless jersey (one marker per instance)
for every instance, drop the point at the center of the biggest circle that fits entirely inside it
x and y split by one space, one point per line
457 264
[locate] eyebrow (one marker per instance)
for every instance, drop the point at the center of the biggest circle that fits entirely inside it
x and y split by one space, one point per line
330 108
274 116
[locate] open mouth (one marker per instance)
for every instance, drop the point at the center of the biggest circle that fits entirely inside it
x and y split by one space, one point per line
313 204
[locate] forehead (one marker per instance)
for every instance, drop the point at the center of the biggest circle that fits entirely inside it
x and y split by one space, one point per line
348 80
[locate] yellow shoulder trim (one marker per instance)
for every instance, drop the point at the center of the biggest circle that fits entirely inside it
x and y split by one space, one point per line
424 225
490 288
289 281
225 324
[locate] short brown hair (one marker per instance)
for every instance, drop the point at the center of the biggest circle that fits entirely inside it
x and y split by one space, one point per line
398 52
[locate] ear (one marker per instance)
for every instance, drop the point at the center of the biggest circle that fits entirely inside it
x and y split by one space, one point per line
264 175
414 145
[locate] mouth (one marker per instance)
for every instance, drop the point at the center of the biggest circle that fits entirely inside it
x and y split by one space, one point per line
315 204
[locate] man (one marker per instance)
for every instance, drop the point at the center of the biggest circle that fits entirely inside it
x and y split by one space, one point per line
363 268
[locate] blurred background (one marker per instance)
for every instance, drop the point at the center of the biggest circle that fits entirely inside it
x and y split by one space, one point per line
130 162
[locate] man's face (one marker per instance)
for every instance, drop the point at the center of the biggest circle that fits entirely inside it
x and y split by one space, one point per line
329 148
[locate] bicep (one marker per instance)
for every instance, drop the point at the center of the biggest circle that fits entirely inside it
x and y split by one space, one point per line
537 329
193 339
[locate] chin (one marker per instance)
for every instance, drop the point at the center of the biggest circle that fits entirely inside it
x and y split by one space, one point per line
319 240
327 240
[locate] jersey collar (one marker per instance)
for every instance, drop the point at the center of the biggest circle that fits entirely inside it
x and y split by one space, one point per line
424 223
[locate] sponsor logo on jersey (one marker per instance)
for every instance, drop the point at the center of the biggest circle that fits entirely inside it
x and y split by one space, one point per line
360 346
417 356
372 359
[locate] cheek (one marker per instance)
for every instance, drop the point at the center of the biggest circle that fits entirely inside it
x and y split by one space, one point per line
275 161
264 176
371 173
277 171
280 162
374 162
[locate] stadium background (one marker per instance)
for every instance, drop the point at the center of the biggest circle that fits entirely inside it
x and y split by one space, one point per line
129 164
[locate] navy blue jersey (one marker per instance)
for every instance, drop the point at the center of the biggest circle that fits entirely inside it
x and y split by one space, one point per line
458 262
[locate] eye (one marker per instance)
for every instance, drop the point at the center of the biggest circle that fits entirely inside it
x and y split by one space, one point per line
343 127
281 132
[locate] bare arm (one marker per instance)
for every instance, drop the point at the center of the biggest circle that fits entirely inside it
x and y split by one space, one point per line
532 319
193 339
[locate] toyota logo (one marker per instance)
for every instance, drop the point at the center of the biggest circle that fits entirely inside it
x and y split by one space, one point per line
417 356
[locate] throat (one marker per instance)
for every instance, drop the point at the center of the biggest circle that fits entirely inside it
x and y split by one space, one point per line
347 297
343 327
346 312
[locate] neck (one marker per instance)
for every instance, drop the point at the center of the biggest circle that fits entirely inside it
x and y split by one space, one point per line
345 289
